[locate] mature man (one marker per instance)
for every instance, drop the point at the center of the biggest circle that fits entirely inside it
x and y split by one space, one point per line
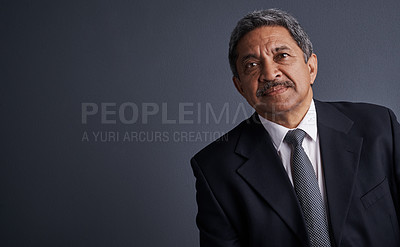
299 172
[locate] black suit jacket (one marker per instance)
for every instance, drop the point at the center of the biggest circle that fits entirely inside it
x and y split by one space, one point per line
245 198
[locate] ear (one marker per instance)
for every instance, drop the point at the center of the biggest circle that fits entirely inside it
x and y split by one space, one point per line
238 85
312 67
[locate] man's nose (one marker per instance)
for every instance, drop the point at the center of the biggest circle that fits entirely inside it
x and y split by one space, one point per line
270 71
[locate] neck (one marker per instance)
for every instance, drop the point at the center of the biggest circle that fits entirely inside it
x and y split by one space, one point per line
292 118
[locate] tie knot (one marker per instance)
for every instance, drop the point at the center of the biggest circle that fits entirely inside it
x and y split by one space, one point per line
295 137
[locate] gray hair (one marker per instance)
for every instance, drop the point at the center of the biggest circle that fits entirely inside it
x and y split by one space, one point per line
269 17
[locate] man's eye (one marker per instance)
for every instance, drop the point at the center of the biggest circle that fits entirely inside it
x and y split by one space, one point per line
283 55
251 65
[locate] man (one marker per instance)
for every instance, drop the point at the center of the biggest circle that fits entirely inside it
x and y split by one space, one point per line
299 172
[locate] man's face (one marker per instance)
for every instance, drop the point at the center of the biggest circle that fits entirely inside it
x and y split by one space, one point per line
273 75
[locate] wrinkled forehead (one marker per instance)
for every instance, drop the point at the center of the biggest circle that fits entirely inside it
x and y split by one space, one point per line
266 37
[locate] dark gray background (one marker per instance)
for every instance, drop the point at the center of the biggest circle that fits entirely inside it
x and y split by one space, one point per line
56 190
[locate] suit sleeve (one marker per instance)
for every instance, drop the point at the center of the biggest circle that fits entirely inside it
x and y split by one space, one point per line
215 228
396 160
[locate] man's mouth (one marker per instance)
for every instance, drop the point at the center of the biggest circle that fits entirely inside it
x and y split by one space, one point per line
273 88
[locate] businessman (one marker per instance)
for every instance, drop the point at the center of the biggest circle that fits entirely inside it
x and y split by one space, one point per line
299 172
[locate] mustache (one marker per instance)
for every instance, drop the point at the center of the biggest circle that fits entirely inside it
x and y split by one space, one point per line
269 84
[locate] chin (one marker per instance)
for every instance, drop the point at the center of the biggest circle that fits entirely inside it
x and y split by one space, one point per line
274 108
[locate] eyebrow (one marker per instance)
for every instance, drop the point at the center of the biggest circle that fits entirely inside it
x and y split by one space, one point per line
282 48
247 57
277 49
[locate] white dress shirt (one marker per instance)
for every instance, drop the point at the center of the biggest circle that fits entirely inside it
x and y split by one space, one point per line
310 144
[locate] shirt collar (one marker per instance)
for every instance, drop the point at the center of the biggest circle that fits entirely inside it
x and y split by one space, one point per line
278 132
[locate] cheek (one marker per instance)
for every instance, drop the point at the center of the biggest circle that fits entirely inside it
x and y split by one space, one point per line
250 86
250 94
253 90
300 77
305 72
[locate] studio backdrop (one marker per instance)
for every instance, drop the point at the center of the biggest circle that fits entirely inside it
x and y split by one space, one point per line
103 103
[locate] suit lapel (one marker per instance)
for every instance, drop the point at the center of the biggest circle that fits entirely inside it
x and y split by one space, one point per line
340 154
264 172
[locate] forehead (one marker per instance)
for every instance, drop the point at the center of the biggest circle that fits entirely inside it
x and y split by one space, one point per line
266 37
